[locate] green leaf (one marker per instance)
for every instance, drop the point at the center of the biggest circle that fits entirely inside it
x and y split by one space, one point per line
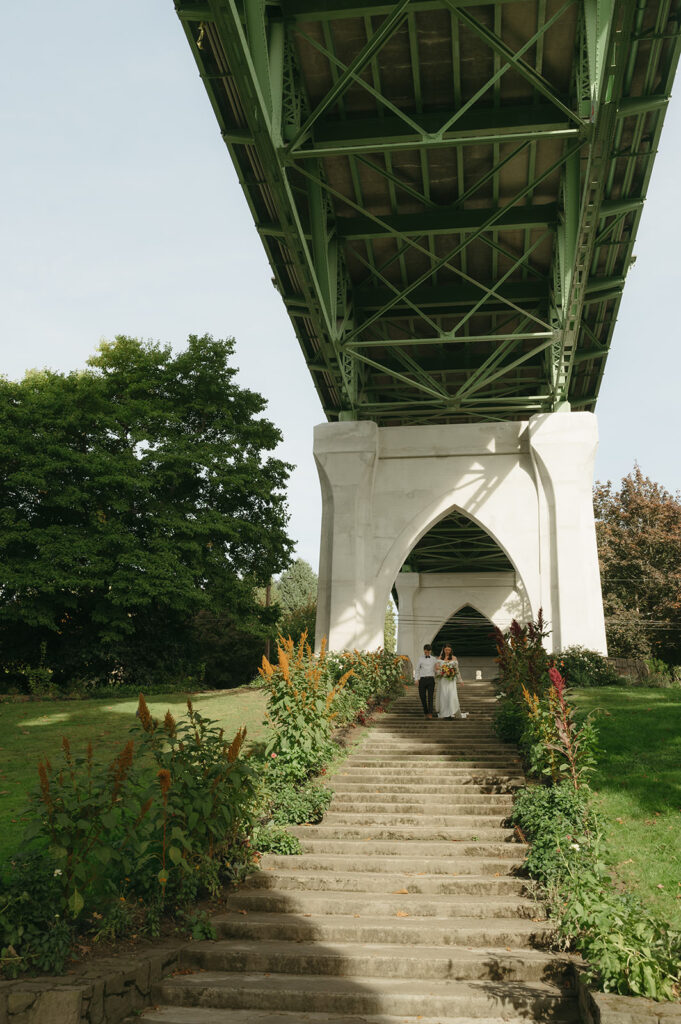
75 903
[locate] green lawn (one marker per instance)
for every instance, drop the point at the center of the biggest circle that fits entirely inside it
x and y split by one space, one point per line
33 730
638 786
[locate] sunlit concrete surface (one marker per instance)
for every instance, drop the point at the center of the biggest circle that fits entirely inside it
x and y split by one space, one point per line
528 484
428 600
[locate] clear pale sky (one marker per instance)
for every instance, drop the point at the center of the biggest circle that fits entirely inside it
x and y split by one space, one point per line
121 214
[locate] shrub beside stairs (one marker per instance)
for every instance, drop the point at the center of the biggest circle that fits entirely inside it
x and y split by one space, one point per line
405 904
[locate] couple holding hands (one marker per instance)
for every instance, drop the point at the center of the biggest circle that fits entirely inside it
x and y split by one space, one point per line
445 672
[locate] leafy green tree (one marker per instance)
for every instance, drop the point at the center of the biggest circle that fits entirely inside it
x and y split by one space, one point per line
133 495
639 545
296 587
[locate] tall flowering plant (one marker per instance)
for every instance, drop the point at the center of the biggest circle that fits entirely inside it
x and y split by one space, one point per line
554 743
302 703
574 745
522 659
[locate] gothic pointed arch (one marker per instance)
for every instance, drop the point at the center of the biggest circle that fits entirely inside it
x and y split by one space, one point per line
469 632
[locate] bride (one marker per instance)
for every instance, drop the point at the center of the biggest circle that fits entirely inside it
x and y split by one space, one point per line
447 675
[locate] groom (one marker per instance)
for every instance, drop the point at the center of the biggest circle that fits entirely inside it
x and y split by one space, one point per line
424 674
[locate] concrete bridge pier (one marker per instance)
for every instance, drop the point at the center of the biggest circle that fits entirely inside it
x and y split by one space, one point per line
527 484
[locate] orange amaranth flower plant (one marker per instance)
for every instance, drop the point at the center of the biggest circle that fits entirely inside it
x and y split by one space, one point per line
144 715
120 767
169 724
43 767
236 745
163 776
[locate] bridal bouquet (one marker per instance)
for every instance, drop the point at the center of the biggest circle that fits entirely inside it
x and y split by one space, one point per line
448 669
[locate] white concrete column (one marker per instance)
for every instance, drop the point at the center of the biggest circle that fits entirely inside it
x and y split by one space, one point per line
348 612
563 448
407 586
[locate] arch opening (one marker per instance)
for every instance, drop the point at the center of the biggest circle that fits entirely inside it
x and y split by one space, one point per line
469 632
457 543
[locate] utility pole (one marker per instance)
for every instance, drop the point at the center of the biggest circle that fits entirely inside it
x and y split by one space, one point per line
268 602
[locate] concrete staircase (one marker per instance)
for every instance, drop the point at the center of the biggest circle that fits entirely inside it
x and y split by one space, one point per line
404 905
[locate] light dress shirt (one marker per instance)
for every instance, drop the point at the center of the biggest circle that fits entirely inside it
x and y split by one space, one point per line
425 666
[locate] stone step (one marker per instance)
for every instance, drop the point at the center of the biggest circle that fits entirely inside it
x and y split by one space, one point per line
539 1001
278 901
402 833
352 960
425 761
519 933
386 882
431 752
456 864
360 804
438 773
338 817
203 1015
462 791
453 848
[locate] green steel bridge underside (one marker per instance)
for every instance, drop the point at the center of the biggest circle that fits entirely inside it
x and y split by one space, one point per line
448 191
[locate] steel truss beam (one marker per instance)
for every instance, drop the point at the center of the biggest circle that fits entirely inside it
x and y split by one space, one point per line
409 310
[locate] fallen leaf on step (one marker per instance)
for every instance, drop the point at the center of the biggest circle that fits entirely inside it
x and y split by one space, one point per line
356 915
401 913
508 948
400 892
306 915
242 911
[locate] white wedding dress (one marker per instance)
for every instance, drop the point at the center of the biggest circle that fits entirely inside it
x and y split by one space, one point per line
446 694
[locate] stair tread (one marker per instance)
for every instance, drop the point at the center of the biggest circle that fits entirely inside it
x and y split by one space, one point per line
392 921
206 1015
225 979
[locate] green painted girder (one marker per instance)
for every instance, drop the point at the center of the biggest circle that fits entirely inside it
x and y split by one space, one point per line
448 191
313 10
390 135
446 222
457 544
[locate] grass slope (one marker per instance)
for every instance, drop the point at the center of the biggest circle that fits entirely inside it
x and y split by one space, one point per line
29 731
638 784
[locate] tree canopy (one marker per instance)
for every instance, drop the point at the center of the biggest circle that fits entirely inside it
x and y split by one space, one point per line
134 495
639 546
296 588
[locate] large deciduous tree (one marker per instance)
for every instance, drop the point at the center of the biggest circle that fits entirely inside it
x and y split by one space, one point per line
639 546
296 588
134 495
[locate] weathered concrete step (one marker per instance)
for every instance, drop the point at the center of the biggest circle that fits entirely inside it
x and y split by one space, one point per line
454 848
373 961
537 1001
361 804
278 901
473 751
518 933
205 1015
362 816
462 791
386 882
456 864
427 832
437 793
437 773
424 762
